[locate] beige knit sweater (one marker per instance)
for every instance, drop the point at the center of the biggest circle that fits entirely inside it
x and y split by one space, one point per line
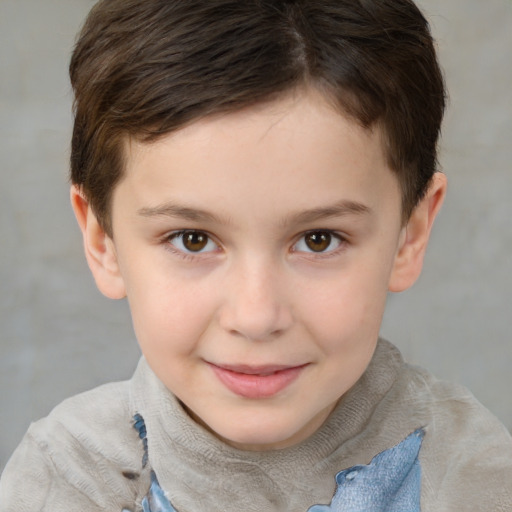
86 456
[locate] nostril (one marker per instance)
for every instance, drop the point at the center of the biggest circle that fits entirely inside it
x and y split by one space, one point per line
260 337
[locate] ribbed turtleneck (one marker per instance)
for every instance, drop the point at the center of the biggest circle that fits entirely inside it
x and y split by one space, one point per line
201 472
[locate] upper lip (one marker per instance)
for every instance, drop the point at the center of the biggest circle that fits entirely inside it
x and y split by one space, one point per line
256 370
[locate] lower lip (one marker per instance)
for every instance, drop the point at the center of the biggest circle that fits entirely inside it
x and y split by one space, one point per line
257 386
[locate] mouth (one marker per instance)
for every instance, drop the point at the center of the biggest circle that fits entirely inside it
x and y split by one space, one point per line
256 382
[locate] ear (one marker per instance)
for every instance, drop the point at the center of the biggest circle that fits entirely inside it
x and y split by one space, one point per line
99 248
415 235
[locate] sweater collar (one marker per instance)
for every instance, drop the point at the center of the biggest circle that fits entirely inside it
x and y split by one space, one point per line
175 439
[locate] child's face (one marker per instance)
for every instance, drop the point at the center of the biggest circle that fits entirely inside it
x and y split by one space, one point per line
256 250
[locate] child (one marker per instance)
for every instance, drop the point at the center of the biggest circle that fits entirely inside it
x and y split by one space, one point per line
255 176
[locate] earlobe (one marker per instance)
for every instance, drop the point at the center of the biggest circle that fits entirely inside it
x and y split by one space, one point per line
415 235
99 248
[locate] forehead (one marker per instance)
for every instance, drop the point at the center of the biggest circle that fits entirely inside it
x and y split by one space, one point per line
287 150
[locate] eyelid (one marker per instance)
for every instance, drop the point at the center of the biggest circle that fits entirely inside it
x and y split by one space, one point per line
184 251
341 239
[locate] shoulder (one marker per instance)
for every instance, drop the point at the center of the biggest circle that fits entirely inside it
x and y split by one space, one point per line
467 453
86 450
417 395
93 413
98 421
446 404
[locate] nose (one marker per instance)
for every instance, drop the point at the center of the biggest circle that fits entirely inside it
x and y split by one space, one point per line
255 303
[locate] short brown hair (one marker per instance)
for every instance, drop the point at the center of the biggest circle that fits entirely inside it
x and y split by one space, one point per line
144 68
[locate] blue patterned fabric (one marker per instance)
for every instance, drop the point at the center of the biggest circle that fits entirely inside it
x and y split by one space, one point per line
156 501
390 483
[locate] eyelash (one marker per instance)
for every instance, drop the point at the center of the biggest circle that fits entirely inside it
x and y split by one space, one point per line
190 255
183 253
333 236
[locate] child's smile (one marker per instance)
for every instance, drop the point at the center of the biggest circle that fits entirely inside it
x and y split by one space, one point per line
256 250
257 381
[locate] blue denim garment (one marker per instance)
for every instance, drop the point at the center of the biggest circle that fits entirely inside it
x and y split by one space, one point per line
156 501
390 483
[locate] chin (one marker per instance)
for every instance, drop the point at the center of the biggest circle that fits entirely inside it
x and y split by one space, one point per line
261 436
258 442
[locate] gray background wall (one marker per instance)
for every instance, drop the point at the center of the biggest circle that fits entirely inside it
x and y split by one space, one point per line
59 336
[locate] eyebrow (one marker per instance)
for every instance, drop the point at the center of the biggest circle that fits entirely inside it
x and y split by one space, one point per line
339 209
170 209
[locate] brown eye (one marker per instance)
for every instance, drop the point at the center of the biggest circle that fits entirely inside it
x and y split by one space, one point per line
318 241
192 242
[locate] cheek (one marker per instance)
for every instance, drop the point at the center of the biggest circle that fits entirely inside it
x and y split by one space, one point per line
346 312
169 315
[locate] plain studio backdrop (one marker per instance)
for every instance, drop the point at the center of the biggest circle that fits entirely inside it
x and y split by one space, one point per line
59 336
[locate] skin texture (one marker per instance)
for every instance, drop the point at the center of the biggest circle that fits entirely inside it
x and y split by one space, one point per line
255 184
